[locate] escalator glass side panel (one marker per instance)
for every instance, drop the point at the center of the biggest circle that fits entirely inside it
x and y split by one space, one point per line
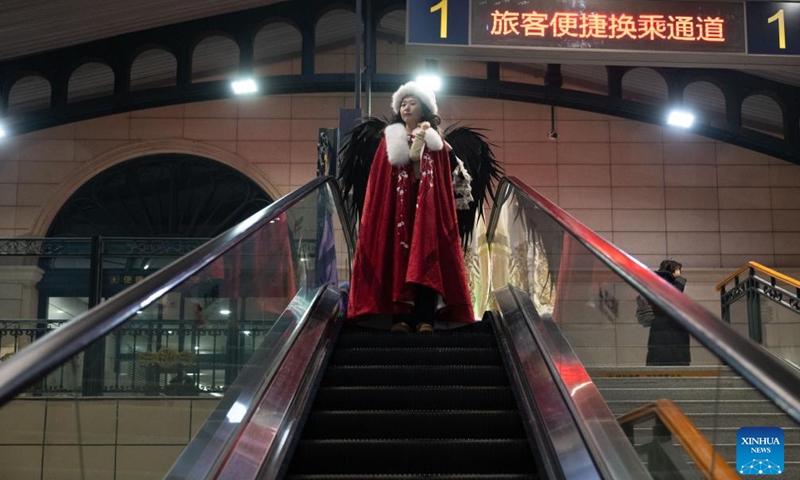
575 291
151 382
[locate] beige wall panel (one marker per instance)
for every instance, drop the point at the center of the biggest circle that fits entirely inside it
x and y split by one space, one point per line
227 108
113 127
150 128
690 176
637 175
746 243
637 153
582 131
584 175
528 153
21 462
639 220
171 111
630 131
637 197
8 194
584 153
35 150
151 462
692 220
278 106
691 197
64 462
210 128
743 176
584 197
689 154
734 155
747 220
23 422
745 198
157 422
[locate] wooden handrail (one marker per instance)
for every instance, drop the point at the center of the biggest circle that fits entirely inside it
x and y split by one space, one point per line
705 456
761 268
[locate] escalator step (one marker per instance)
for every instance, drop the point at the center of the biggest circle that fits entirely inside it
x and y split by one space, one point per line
499 456
414 398
352 375
477 327
436 476
413 424
386 339
416 356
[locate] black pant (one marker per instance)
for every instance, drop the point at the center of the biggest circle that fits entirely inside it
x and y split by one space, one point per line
424 308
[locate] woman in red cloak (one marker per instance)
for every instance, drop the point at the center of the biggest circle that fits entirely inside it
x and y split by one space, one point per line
408 260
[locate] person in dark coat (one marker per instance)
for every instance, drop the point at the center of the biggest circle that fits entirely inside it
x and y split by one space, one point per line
668 343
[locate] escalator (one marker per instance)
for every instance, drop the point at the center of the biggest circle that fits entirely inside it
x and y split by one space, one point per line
509 397
406 406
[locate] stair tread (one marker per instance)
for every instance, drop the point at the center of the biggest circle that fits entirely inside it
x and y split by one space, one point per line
404 476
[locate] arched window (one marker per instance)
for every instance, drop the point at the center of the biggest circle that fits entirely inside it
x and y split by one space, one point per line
167 195
152 69
28 94
644 85
276 48
335 33
215 58
90 80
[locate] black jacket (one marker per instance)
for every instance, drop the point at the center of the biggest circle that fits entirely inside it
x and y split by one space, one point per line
668 343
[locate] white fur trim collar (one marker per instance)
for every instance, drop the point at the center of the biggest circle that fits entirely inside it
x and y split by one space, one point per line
397 148
423 93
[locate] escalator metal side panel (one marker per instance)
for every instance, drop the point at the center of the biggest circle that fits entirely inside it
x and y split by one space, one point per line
212 447
270 434
556 392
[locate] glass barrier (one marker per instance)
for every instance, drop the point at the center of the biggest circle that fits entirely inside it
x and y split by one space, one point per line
633 364
48 281
128 405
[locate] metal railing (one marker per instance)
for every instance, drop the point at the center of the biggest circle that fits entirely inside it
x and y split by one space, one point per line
31 364
774 378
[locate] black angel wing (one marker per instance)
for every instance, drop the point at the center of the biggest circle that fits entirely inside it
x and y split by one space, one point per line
355 158
474 149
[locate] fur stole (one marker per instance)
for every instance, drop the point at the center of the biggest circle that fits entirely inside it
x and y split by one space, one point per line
397 148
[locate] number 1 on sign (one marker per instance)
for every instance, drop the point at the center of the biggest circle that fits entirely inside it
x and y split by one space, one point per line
443 23
781 28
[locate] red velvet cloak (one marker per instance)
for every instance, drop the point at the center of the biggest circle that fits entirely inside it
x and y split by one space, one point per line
409 236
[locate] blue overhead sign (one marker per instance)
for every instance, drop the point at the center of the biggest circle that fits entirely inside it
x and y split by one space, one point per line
773 28
438 21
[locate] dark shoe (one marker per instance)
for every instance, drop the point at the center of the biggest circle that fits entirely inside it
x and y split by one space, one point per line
400 327
424 328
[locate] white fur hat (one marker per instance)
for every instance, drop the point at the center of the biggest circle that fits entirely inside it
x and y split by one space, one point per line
423 93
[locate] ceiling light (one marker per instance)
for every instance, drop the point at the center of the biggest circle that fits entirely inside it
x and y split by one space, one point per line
434 82
680 118
2 131
225 312
244 86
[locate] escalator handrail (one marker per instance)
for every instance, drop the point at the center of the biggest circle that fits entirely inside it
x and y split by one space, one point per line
761 268
703 454
776 379
33 362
